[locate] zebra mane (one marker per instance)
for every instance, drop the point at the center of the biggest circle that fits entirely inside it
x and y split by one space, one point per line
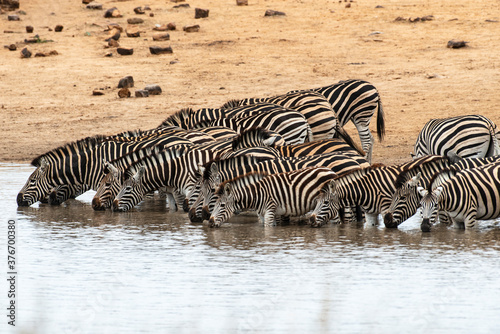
359 170
258 131
415 165
240 179
143 153
178 118
239 160
79 145
233 103
436 175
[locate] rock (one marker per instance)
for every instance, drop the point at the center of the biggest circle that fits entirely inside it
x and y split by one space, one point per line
193 28
156 50
147 7
9 4
456 44
40 54
133 32
86 2
113 34
11 47
141 93
182 5
13 17
46 54
124 92
94 5
29 29
8 31
125 52
126 82
200 13
161 37
151 14
271 12
242 2
135 20
347 5
114 26
159 27
153 89
97 92
25 53
139 10
58 28
171 26
113 43
112 12
109 54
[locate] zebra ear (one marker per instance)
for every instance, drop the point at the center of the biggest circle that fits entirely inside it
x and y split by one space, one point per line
423 192
201 169
43 163
415 180
112 169
227 189
332 186
269 141
412 155
213 168
140 173
438 191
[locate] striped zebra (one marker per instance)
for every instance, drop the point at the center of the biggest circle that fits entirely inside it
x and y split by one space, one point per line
219 170
407 198
369 188
470 195
314 106
262 137
79 164
271 196
291 124
471 136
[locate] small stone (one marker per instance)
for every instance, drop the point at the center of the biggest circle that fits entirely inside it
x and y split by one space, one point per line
153 89
242 2
113 26
183 5
171 26
147 7
29 29
200 13
50 29
348 5
125 52
13 17
109 54
156 50
8 31
161 27
271 12
97 92
25 53
58 28
12 47
113 43
161 37
135 20
113 34
193 28
112 12
139 10
151 14
94 5
53 53
126 82
86 2
133 32
141 93
124 92
456 44
379 6
40 54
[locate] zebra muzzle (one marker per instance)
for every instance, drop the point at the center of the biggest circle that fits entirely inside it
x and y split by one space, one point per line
192 216
97 205
116 206
389 221
426 225
185 205
21 201
205 213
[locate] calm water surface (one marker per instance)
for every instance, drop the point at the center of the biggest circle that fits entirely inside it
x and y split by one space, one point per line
148 270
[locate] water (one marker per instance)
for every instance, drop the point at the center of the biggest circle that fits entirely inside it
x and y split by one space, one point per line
82 271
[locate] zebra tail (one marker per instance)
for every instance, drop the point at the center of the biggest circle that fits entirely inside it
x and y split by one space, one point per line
380 121
345 136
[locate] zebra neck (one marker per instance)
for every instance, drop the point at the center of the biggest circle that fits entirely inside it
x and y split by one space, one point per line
249 198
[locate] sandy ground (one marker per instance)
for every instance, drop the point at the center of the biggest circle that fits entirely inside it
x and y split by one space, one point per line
46 102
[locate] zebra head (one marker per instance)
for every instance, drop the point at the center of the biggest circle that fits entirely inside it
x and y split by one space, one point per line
209 196
194 198
327 205
234 196
405 202
429 203
38 185
257 136
108 187
131 192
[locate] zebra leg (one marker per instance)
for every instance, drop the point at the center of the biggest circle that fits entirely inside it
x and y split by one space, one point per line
162 191
283 220
367 140
172 206
270 217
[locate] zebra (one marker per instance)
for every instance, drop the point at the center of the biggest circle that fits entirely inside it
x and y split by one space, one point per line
314 106
291 124
218 170
470 195
111 183
407 198
78 163
471 136
262 137
272 196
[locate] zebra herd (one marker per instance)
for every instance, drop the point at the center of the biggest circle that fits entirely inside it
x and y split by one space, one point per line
281 157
